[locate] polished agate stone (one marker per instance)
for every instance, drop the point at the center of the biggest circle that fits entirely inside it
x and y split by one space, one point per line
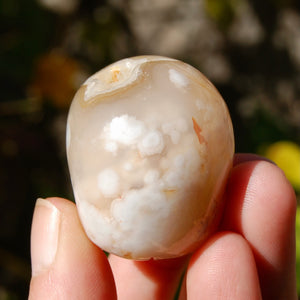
150 145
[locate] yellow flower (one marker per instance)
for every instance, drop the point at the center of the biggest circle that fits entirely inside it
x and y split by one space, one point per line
286 155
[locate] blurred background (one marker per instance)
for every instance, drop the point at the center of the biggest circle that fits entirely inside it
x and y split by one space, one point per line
250 49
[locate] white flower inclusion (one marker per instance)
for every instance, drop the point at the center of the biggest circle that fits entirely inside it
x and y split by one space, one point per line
178 79
124 129
108 183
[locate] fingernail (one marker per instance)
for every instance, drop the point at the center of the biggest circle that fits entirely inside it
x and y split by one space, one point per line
44 235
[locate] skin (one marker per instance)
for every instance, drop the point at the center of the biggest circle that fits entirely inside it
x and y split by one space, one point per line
252 256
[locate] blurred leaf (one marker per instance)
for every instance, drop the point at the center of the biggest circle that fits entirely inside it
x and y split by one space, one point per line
222 12
56 78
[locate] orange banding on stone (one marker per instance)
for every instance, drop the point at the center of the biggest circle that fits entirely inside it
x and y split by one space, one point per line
198 130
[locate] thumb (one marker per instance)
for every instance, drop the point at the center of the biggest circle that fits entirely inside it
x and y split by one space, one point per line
65 264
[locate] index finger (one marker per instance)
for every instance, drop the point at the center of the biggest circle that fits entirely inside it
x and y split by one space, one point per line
152 279
261 207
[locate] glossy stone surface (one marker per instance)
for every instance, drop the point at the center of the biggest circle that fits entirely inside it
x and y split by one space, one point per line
149 145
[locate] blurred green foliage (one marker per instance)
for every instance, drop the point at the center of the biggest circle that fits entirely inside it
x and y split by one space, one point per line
222 12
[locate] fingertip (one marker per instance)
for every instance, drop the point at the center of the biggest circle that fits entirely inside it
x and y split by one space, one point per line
269 199
219 248
261 207
62 204
240 158
152 279
258 184
75 268
277 189
224 268
44 236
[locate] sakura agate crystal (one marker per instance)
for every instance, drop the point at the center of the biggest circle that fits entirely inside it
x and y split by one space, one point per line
150 145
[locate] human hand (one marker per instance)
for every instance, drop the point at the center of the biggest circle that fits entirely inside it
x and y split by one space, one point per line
252 256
